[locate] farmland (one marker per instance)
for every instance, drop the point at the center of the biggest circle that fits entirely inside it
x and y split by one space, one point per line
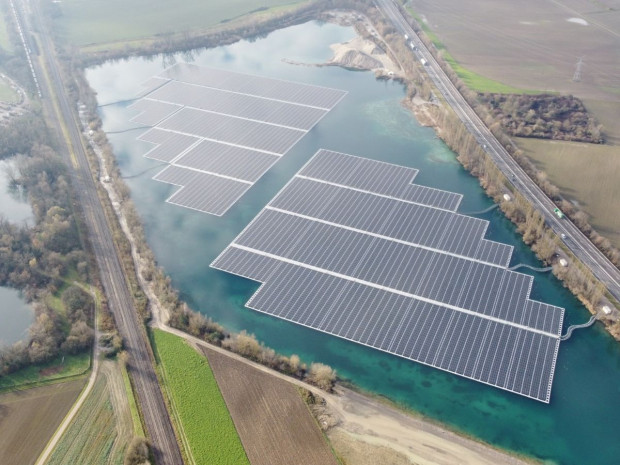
102 428
29 418
100 21
201 415
534 46
274 423
585 173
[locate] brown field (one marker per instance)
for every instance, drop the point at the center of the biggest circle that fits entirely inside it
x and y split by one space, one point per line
586 173
28 419
273 422
531 45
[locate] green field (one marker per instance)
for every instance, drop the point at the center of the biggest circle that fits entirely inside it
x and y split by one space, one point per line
37 375
587 174
102 429
199 408
97 21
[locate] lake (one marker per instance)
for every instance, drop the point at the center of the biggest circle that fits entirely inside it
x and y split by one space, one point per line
14 204
579 425
15 316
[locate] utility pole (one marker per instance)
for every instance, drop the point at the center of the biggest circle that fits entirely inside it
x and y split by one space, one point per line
577 75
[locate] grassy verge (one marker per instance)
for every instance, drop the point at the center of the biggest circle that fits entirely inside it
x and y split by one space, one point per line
198 406
473 80
56 370
133 405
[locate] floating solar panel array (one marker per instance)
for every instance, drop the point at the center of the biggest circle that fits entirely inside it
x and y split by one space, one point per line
220 131
352 248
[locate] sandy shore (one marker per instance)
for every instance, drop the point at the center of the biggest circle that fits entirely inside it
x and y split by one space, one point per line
362 421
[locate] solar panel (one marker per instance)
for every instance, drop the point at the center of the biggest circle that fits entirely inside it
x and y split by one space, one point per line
344 250
168 144
200 191
231 127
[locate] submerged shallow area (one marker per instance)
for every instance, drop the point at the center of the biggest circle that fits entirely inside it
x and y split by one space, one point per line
576 427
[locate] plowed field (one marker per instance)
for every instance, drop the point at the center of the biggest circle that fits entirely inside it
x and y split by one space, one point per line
273 422
28 419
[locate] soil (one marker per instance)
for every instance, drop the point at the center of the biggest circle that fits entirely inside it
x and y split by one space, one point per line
273 422
30 418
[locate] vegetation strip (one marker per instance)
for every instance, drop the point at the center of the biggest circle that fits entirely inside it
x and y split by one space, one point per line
199 406
62 368
133 406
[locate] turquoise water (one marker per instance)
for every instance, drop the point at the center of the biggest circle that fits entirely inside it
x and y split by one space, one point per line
578 427
15 316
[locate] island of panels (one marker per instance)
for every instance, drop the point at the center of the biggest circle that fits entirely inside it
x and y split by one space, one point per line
352 248
220 131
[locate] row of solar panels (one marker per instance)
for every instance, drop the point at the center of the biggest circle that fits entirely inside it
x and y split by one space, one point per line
221 131
349 249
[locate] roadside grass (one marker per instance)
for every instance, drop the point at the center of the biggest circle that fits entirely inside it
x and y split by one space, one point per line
199 410
473 80
588 174
30 418
101 431
54 371
133 405
108 21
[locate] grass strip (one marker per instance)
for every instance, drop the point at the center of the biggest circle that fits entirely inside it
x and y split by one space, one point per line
199 408
58 369
133 405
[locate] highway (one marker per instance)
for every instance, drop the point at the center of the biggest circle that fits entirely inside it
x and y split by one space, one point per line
157 422
574 239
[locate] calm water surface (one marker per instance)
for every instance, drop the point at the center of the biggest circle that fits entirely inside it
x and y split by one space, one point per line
14 204
579 426
15 316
